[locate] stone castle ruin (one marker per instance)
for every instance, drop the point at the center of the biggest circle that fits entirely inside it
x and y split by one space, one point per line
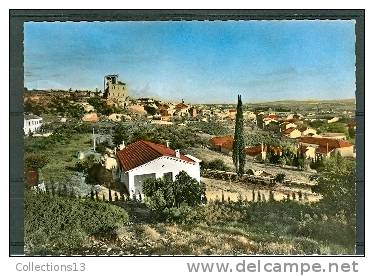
115 91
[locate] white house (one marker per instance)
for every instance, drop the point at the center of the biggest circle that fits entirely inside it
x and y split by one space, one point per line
308 132
292 132
287 125
31 123
143 160
333 120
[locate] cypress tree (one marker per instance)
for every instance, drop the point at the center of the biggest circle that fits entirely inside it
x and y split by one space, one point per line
271 195
53 189
258 196
65 190
238 151
92 194
115 196
110 194
97 196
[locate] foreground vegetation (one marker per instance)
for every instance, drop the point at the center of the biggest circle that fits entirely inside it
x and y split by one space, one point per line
59 225
76 226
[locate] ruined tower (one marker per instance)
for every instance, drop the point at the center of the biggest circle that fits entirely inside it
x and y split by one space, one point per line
115 91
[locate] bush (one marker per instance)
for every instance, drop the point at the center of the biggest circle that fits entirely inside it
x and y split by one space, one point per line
307 245
280 177
35 161
162 193
329 231
58 225
216 164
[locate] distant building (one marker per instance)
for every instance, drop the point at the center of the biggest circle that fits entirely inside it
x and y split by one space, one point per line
222 143
286 125
333 120
260 151
31 123
232 114
115 117
292 132
144 160
137 109
333 135
90 117
308 131
181 109
326 146
115 91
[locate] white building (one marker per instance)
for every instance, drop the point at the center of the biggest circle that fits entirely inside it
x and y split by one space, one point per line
143 160
31 123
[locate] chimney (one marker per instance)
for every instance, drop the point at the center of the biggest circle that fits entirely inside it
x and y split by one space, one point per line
122 146
177 153
168 144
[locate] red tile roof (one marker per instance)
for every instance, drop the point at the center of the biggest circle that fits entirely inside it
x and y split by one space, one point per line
323 142
181 106
256 150
271 116
222 141
253 151
142 152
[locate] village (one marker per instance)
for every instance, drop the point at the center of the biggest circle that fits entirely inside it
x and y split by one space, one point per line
105 145
273 138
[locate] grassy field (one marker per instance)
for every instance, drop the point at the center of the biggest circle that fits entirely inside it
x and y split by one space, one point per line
63 155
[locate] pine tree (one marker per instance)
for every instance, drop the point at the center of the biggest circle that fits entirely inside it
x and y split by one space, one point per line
238 151
115 196
92 194
97 196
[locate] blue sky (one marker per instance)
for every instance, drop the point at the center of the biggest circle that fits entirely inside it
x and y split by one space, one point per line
199 61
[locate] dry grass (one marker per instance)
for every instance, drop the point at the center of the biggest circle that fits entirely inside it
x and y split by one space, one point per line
235 190
175 239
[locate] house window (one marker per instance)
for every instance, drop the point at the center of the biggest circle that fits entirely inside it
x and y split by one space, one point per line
139 180
168 176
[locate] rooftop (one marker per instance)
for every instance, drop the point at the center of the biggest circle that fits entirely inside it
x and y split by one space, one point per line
142 152
31 117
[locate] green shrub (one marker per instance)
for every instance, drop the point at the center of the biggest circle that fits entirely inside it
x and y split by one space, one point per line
57 225
329 231
307 246
216 164
163 193
207 214
280 177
